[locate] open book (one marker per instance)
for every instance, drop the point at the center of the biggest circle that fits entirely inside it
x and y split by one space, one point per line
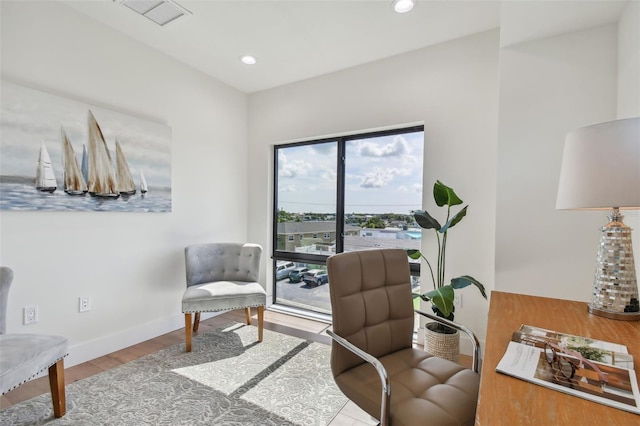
591 369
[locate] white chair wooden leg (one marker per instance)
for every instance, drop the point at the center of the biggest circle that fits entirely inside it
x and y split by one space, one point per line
260 322
187 331
56 383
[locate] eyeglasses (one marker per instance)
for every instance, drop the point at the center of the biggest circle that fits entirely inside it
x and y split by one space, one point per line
567 366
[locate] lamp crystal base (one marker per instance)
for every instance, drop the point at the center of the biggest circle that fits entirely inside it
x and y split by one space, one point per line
624 316
615 288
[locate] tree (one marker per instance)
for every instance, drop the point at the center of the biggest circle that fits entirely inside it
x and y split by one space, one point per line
284 216
375 222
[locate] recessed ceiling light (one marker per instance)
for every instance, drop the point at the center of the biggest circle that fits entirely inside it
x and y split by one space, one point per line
403 6
248 59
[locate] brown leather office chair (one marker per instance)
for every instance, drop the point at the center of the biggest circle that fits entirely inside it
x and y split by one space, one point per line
372 356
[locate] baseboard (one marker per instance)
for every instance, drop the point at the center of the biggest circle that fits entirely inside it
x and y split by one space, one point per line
95 348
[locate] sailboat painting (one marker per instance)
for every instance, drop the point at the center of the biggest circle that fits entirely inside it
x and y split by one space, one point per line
45 178
126 186
101 176
61 154
74 182
143 183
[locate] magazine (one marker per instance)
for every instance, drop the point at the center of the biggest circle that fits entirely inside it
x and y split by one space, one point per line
591 349
544 357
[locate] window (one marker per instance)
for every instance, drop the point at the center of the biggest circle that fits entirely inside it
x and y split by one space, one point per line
357 191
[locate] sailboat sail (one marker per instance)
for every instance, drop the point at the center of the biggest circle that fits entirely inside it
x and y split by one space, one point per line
73 181
45 178
143 183
102 180
126 186
84 167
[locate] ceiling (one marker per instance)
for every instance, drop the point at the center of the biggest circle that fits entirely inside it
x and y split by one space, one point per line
295 40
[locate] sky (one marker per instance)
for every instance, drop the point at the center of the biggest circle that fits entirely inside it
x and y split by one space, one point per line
383 175
28 117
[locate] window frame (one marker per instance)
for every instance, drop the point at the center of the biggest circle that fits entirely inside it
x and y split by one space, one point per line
341 142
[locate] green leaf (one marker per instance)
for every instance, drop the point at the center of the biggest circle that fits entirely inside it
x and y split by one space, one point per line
466 280
414 254
455 219
425 220
443 195
443 299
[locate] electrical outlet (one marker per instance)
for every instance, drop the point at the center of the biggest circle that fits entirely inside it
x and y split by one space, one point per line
31 314
457 300
84 303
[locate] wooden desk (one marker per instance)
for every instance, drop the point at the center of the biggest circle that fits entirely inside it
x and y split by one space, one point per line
505 400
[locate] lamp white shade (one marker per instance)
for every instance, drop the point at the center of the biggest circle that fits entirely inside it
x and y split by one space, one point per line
601 167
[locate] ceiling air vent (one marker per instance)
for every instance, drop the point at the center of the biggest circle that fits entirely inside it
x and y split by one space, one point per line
159 11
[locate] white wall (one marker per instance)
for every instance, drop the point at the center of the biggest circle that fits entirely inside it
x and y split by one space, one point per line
629 61
451 87
130 264
548 87
629 93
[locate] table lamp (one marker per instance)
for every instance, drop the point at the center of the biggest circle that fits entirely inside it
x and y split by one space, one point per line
601 171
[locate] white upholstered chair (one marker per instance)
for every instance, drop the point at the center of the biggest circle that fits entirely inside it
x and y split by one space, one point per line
221 277
23 356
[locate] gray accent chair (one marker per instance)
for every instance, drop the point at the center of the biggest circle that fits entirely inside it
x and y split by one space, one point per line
373 360
24 356
222 277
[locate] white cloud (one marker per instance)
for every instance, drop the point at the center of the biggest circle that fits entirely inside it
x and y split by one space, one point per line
398 148
401 172
324 148
377 179
329 175
287 188
380 177
291 169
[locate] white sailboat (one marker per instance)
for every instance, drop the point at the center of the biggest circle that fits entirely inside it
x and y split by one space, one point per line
102 179
74 183
143 183
45 178
126 186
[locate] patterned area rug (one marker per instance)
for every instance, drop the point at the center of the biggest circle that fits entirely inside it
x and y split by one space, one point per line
228 379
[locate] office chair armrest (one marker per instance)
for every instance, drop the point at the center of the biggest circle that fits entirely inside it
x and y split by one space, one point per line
382 373
475 362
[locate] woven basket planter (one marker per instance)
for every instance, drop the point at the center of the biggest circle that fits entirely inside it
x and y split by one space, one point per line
443 345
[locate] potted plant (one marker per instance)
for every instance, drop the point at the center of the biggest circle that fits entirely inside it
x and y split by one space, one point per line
442 295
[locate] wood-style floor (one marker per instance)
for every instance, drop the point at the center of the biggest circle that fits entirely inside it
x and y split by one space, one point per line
302 328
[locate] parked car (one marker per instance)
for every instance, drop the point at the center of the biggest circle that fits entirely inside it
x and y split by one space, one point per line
316 277
295 276
283 269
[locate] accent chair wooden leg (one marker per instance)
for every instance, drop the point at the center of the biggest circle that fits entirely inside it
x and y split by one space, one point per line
247 314
260 322
187 331
196 322
56 382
